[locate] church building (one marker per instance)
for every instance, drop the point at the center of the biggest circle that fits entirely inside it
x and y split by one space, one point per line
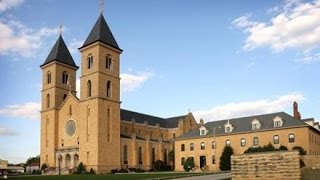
92 128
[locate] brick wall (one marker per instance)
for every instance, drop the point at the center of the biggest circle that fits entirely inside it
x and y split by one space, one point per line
267 165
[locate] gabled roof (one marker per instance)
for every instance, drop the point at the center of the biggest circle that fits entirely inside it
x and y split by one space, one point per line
243 124
101 32
60 53
172 122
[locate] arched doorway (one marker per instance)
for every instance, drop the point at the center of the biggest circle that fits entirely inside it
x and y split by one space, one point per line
76 160
68 161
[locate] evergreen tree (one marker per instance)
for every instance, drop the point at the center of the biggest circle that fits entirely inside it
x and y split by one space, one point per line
225 159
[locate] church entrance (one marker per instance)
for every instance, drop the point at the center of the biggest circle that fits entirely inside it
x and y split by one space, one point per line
203 161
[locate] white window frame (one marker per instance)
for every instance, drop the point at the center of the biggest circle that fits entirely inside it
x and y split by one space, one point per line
277 122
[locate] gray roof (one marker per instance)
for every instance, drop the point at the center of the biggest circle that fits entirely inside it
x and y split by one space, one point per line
60 53
172 122
243 124
101 32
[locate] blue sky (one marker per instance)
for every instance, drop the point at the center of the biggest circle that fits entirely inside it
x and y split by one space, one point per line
218 59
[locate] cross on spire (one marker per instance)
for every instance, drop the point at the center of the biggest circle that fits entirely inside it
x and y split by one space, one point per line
101 3
60 29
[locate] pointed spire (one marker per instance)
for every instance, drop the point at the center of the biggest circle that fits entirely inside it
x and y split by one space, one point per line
101 32
60 53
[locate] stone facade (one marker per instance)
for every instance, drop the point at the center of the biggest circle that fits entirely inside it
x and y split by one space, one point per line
311 161
89 129
213 153
270 165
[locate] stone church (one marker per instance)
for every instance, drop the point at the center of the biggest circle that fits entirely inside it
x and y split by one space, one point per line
92 128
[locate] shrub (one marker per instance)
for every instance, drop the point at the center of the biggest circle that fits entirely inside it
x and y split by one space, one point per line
301 150
132 169
225 159
123 170
268 147
159 165
188 164
92 171
140 170
113 171
282 147
44 166
80 168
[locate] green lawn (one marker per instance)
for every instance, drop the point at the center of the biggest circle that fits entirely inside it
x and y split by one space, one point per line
108 176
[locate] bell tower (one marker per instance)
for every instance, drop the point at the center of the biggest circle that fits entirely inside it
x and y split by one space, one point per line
58 79
100 96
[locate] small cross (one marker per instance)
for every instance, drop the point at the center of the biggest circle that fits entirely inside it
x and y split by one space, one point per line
61 28
101 6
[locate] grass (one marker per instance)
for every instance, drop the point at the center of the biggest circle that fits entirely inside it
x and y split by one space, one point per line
111 176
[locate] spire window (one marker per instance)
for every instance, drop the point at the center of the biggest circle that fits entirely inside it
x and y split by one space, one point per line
90 61
89 88
48 77
65 77
108 62
108 89
48 101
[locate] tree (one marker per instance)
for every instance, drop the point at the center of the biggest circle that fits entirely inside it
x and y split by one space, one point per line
225 159
301 150
189 164
171 155
44 166
80 168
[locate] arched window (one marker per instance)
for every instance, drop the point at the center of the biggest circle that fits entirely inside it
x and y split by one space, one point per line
48 100
214 146
108 89
191 146
89 88
125 154
183 160
291 138
276 139
213 159
108 62
48 77
243 142
256 141
140 155
202 146
65 77
182 147
228 142
64 96
153 158
90 61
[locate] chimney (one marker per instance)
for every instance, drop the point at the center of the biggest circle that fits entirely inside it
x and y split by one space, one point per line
296 113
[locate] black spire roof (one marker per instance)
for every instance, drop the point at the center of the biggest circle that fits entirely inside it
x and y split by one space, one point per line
101 32
60 53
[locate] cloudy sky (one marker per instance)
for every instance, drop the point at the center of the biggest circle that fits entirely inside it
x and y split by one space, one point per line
217 59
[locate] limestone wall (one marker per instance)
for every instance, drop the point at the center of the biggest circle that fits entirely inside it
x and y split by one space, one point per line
311 161
267 165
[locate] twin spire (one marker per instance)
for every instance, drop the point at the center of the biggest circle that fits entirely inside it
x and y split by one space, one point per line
99 33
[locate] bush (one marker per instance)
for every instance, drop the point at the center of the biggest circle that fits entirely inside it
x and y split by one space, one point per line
123 170
225 159
113 171
301 150
283 147
269 147
44 166
92 171
80 168
188 164
132 169
140 170
161 166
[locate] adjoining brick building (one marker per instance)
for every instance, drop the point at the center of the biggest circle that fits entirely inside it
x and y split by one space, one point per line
93 129
205 144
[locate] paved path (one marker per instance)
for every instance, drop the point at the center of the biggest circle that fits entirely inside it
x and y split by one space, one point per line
209 177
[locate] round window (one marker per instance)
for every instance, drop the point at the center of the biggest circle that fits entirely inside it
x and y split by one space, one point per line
70 127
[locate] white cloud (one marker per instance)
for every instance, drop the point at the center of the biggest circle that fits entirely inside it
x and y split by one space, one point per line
18 39
296 25
74 45
130 82
8 4
7 132
308 57
28 110
241 109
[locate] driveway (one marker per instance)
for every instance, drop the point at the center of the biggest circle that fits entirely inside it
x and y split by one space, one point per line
209 177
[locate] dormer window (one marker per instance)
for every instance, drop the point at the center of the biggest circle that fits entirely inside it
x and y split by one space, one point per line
203 130
228 127
277 122
255 124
